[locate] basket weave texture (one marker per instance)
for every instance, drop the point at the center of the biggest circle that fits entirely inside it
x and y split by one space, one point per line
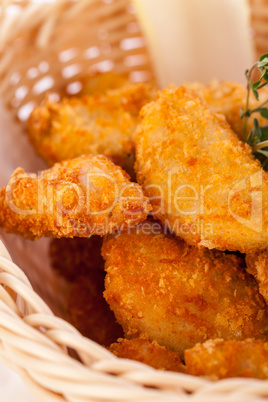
259 22
42 42
52 46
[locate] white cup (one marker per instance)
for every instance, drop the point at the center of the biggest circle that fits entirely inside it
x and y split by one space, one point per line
197 40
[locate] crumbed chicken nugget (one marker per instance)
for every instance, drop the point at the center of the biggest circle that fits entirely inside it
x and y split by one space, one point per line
202 180
227 98
179 295
71 258
89 312
224 359
97 124
144 351
257 265
84 196
103 82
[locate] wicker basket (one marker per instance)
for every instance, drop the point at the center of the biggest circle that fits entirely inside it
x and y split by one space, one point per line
56 45
45 54
259 22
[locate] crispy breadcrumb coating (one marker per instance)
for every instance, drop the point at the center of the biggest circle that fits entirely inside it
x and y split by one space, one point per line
84 196
179 295
100 83
257 265
225 359
227 98
202 180
89 312
144 351
71 258
97 124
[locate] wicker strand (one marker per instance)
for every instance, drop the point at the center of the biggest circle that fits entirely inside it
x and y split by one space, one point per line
259 20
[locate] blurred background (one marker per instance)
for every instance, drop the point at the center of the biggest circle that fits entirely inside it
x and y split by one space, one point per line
187 39
170 41
198 40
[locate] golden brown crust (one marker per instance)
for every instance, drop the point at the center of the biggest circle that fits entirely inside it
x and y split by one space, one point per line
96 124
179 295
224 359
100 83
84 196
227 98
71 258
89 312
144 351
257 265
202 180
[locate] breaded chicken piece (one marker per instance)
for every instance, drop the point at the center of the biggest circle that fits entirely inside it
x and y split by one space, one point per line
202 180
97 124
103 82
227 98
71 258
225 359
80 197
257 265
178 295
89 312
144 351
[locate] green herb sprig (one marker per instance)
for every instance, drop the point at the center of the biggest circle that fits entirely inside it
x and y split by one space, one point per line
258 136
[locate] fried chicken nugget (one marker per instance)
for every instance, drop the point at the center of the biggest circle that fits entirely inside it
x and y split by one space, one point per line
224 359
227 98
257 265
100 83
178 295
89 312
80 197
71 258
144 351
97 124
202 180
